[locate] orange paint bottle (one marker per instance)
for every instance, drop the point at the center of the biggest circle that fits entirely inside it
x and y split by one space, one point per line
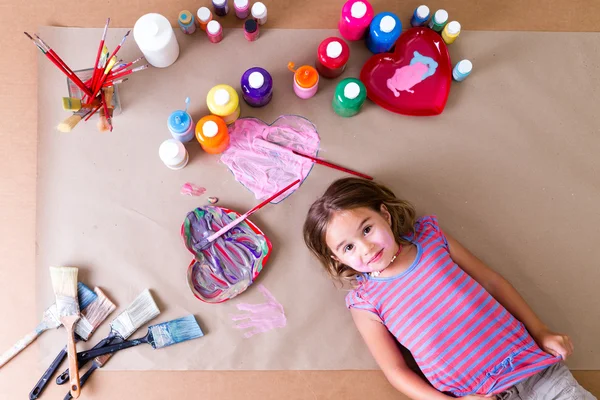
212 134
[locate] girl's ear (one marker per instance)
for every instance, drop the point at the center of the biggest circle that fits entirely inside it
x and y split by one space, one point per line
335 258
386 214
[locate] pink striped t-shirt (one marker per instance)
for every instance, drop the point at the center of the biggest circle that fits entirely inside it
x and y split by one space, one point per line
464 341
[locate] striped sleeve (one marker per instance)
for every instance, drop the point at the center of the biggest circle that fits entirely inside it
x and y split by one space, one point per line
430 222
355 300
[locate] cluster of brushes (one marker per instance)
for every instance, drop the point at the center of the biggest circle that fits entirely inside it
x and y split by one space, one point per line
81 311
98 91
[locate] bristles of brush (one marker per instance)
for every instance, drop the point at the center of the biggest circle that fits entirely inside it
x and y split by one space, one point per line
103 124
69 124
85 295
94 315
139 312
175 331
71 104
64 284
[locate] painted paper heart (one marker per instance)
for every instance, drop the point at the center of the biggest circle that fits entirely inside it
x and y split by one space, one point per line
259 154
414 79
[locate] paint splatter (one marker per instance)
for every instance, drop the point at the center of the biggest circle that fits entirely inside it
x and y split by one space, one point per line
213 200
192 190
267 172
231 263
260 318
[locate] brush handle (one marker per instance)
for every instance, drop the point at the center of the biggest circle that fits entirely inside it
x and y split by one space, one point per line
84 378
88 355
21 344
331 165
69 324
43 382
110 339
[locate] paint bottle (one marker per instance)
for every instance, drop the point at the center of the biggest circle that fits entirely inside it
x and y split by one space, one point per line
242 8
204 16
420 16
355 19
451 32
181 124
384 30
332 56
221 7
251 30
306 80
212 134
155 38
186 22
259 13
214 31
461 70
257 87
438 20
173 153
350 95
223 100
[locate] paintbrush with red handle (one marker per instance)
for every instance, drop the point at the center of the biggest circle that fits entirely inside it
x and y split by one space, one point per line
100 47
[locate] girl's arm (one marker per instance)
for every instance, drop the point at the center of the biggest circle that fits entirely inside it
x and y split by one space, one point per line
507 295
387 354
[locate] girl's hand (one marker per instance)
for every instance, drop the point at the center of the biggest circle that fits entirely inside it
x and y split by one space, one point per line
554 343
477 397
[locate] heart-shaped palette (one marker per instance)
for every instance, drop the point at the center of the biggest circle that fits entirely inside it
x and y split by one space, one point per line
231 263
413 80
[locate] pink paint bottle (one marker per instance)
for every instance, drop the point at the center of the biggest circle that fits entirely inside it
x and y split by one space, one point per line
214 31
306 81
355 19
242 8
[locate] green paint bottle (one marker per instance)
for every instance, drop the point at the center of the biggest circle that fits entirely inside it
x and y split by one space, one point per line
350 94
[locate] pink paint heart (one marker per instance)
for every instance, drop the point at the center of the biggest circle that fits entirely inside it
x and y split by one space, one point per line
414 79
260 157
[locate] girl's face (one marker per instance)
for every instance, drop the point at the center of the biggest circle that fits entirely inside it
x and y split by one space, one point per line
362 238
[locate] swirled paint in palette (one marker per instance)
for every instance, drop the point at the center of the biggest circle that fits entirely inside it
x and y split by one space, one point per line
231 263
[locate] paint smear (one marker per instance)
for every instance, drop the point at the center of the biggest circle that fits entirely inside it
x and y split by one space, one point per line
266 172
260 318
192 190
231 263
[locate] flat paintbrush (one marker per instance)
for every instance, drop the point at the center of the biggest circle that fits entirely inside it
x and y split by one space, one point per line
159 336
64 283
91 318
50 320
141 311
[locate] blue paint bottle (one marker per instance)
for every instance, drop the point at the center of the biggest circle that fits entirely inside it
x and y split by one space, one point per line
461 70
420 16
181 125
384 30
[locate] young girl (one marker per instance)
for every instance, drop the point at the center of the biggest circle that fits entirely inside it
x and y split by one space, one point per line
470 332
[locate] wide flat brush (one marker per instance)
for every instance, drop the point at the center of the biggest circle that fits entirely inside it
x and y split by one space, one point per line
71 122
64 283
50 320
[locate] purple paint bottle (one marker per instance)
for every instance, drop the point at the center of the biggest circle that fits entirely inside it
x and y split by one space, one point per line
257 87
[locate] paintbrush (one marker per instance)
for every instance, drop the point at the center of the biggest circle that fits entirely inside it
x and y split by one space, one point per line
102 79
91 318
205 242
50 320
100 49
141 311
71 122
270 147
159 336
121 67
121 74
64 283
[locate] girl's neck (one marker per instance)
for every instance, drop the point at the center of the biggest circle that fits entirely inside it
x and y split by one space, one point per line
399 263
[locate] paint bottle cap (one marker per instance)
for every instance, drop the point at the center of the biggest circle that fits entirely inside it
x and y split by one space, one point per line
179 121
464 66
250 26
422 11
358 10
306 76
256 80
173 154
204 14
210 129
219 3
453 28
258 10
240 3
351 90
222 97
185 17
387 24
440 16
213 27
334 49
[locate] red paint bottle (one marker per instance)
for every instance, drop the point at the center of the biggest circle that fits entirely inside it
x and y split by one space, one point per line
332 56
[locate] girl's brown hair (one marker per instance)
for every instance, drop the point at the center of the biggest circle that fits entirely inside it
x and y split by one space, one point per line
347 194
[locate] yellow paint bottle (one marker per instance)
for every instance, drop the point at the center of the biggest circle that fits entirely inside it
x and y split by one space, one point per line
451 32
223 100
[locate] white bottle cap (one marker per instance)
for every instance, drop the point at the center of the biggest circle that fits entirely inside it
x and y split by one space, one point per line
213 27
256 80
440 16
221 97
259 10
352 90
240 3
173 154
334 49
203 14
453 28
358 9
210 129
219 2
387 24
464 66
422 11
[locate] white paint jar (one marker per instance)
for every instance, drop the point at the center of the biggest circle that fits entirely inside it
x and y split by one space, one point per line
156 39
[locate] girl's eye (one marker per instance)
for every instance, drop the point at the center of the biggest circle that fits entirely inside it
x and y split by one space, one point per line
367 230
348 248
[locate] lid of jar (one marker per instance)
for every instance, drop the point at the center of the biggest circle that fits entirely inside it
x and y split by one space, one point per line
185 17
306 76
179 121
